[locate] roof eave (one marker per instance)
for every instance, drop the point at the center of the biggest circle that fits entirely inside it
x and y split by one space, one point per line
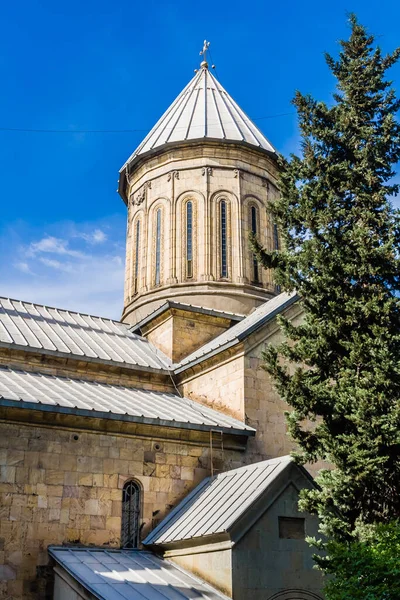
88 359
80 412
136 159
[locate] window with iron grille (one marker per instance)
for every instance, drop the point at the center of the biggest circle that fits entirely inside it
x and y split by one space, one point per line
137 247
223 240
254 229
158 247
189 240
130 515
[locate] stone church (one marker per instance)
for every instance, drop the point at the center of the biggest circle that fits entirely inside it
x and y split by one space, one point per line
148 457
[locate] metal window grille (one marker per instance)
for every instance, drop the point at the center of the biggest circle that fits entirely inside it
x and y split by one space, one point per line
137 242
158 246
224 261
254 230
130 515
189 239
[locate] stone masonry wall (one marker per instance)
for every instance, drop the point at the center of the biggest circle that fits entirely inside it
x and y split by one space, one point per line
221 386
60 486
178 333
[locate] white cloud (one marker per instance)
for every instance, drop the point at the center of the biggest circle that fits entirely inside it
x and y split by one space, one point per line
23 267
52 245
56 264
77 267
96 237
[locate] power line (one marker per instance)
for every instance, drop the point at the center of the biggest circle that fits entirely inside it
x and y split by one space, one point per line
27 130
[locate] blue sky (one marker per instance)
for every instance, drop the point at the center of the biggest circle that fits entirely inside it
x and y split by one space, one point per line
117 66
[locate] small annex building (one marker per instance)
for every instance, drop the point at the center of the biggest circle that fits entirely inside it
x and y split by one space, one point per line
147 457
242 531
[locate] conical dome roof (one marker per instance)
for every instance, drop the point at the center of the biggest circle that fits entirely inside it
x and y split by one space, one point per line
203 110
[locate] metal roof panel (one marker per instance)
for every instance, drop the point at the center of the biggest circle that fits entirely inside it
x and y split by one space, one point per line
217 502
131 574
204 109
61 394
48 330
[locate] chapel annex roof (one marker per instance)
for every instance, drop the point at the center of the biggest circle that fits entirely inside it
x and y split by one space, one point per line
203 110
217 503
54 331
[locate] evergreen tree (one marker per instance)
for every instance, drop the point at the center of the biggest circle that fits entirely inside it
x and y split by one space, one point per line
340 252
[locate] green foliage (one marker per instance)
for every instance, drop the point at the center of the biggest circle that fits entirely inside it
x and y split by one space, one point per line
367 569
340 251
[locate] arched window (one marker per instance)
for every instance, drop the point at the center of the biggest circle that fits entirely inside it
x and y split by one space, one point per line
158 247
189 239
276 237
223 239
254 229
136 266
130 515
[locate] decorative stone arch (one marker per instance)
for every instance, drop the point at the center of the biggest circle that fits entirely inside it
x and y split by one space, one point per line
295 594
137 253
158 242
232 234
255 220
132 501
197 199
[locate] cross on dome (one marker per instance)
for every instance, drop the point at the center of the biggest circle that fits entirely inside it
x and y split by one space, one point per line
203 53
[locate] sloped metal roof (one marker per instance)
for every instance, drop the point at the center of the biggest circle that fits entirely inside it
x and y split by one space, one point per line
203 110
75 396
131 574
264 313
47 330
217 502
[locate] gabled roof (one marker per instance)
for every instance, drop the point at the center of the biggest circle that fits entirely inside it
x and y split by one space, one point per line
54 331
217 503
99 400
169 304
264 313
130 574
203 110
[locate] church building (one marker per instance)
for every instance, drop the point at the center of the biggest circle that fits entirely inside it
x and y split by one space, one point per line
148 457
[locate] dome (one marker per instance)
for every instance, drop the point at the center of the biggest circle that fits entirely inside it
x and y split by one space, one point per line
203 110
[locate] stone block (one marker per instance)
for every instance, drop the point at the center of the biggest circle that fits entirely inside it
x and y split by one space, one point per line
53 477
98 479
91 507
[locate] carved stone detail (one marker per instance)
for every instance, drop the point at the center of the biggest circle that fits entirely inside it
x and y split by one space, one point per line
172 174
238 174
206 170
141 195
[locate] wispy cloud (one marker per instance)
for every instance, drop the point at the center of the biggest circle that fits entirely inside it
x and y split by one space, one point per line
74 266
95 237
23 267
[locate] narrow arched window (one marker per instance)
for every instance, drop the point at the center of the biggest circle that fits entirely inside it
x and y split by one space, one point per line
276 237
158 247
253 215
130 515
223 239
137 250
189 239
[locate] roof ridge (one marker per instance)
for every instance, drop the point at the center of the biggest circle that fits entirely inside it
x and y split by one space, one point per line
67 310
